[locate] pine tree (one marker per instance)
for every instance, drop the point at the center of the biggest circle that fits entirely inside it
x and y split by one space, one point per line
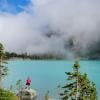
79 86
3 68
47 96
19 85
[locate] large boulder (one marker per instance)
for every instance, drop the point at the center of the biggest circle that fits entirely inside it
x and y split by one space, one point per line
27 94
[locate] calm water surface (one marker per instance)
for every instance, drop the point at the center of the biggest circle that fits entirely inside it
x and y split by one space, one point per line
47 75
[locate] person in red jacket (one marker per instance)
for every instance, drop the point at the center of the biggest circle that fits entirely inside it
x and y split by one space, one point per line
28 82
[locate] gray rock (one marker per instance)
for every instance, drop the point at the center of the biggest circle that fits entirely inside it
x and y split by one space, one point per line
27 94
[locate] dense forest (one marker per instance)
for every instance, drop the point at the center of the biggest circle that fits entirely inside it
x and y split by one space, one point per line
32 56
94 55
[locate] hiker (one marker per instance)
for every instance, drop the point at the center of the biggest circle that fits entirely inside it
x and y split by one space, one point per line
28 82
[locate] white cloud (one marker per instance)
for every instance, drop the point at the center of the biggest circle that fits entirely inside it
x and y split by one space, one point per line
25 31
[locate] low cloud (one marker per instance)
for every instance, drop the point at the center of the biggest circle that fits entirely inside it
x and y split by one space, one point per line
63 27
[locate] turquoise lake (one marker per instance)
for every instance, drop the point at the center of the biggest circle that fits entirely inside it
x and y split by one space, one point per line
47 75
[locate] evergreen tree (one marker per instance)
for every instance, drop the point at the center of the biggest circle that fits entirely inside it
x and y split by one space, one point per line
47 96
19 85
79 86
3 68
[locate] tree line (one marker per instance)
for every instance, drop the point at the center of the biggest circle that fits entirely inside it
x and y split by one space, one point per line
10 55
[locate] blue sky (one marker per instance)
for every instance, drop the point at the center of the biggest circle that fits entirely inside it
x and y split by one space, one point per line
13 6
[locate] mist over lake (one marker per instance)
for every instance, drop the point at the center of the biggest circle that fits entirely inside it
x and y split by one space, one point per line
67 28
41 39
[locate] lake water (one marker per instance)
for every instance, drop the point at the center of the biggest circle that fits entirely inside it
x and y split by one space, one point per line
47 75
